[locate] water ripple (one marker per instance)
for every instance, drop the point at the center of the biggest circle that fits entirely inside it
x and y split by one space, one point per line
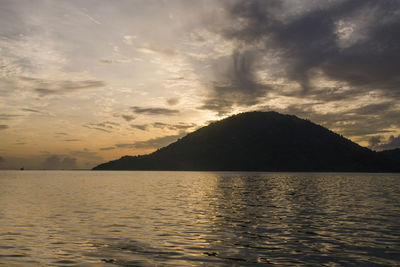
198 218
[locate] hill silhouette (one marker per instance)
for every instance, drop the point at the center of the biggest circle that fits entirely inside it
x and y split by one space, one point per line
259 141
392 154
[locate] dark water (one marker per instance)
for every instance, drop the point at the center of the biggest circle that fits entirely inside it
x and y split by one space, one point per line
84 218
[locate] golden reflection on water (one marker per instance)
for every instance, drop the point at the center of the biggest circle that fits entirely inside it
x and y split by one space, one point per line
191 218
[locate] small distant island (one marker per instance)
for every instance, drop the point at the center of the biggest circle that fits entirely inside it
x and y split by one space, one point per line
262 141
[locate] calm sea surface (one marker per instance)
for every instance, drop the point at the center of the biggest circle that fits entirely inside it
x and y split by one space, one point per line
87 218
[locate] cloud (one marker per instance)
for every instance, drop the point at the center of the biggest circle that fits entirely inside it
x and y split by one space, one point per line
6 117
128 117
173 101
72 140
97 128
2 159
106 126
159 141
107 148
153 143
377 142
154 111
153 49
3 127
374 141
178 126
162 125
142 127
56 162
367 119
31 110
128 39
125 145
20 143
36 111
46 87
238 86
308 48
61 133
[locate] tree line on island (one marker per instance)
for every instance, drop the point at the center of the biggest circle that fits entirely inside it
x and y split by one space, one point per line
262 141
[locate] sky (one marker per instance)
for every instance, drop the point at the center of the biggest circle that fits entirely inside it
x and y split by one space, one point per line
87 81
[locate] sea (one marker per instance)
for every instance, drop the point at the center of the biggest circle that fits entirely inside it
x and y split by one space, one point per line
151 218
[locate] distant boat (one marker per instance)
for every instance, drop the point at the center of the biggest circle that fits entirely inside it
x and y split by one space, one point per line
22 169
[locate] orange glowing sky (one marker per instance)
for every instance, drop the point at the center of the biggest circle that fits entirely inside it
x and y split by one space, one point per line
83 82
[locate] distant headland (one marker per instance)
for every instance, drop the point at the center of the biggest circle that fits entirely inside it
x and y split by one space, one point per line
262 141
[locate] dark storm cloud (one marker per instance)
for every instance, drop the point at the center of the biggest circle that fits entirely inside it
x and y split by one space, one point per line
154 111
238 86
311 40
3 127
354 42
54 162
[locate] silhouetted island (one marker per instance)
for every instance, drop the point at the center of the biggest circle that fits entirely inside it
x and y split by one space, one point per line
393 154
259 141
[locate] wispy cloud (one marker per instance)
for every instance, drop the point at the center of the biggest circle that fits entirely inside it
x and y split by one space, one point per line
47 87
142 127
159 141
6 117
154 111
61 133
31 110
128 117
106 126
153 143
37 111
177 126
107 148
